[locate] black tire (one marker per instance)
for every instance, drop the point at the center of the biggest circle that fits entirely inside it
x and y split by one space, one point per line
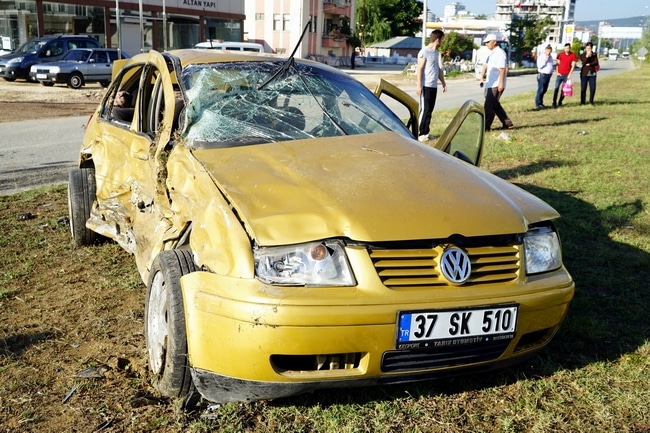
81 195
75 81
104 83
11 80
47 83
164 320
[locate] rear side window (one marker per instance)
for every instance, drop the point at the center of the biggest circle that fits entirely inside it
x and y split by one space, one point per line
86 43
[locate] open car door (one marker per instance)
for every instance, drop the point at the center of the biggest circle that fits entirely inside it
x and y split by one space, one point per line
394 92
463 137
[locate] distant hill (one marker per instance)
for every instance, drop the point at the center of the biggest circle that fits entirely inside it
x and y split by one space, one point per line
618 22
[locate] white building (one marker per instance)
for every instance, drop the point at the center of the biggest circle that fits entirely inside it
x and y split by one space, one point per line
279 24
561 12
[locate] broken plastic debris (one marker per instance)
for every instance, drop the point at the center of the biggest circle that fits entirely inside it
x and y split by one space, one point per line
26 216
92 373
582 133
69 394
504 136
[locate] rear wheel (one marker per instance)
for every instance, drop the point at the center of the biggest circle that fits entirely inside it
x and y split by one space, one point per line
164 318
9 79
81 195
47 83
75 81
104 83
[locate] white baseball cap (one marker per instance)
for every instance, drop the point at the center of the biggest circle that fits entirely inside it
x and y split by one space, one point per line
490 37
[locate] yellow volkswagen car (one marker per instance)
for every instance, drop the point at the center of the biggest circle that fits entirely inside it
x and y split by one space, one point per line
293 235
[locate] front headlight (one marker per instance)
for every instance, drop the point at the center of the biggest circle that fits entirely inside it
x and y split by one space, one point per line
15 60
542 250
313 264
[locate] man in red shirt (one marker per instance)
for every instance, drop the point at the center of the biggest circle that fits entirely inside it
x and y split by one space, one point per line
566 63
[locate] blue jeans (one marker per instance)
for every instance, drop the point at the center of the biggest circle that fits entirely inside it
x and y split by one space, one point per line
542 86
583 88
559 81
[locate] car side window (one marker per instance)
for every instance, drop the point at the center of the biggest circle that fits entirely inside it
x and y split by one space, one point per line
99 57
120 107
54 48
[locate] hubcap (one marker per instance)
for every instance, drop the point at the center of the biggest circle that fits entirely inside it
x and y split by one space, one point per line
157 324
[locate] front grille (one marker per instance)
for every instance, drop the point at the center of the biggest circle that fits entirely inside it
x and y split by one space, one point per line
419 267
421 359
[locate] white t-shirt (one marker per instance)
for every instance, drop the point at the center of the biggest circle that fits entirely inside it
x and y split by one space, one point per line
495 62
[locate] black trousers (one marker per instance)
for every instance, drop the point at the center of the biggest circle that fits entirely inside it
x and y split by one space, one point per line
427 103
493 108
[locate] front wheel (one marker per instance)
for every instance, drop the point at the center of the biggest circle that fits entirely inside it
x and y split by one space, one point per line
81 195
47 83
75 81
164 319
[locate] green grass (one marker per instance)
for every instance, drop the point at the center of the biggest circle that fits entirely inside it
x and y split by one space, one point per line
593 377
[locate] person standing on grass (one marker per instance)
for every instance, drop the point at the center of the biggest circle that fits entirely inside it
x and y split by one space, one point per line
496 69
428 74
566 63
544 73
588 74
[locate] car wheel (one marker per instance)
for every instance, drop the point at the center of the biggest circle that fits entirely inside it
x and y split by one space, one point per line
81 195
11 80
104 83
165 323
75 81
47 83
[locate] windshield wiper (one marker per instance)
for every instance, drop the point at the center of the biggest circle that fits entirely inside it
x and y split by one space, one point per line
288 63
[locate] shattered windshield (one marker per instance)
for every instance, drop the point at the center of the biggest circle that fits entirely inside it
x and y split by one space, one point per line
225 106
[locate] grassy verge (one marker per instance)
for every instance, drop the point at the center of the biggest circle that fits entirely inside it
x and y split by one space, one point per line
589 162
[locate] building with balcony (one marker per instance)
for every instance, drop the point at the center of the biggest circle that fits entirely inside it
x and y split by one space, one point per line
561 12
278 25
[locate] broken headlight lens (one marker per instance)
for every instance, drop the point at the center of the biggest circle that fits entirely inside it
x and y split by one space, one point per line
311 264
542 250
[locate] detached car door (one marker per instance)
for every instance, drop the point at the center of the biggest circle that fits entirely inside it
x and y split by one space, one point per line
463 137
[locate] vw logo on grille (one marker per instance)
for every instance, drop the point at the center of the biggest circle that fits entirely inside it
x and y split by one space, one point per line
455 265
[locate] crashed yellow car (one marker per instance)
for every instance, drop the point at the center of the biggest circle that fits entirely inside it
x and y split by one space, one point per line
293 235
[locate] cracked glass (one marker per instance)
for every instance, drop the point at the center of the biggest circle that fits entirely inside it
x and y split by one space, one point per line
243 103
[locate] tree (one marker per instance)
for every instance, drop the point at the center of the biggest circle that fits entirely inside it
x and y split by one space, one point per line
379 20
526 33
455 45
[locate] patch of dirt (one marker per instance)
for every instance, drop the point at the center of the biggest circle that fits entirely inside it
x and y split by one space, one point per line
20 100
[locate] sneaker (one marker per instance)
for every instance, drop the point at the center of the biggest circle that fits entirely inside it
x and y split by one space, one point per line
541 107
425 137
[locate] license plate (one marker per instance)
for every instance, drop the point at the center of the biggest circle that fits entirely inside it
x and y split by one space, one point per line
41 76
443 328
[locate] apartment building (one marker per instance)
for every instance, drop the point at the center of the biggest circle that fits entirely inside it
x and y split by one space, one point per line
561 12
278 24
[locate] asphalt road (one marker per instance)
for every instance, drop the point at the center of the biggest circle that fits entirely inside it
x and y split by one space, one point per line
41 152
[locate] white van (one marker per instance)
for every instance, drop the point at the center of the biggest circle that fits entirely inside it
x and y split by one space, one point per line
234 46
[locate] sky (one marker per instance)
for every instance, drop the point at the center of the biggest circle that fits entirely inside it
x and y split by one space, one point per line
586 10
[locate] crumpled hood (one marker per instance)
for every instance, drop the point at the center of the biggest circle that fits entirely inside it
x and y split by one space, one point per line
378 187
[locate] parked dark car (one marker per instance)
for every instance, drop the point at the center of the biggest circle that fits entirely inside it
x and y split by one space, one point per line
41 50
78 67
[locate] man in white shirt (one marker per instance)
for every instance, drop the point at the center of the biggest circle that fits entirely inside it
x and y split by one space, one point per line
544 71
428 74
496 69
